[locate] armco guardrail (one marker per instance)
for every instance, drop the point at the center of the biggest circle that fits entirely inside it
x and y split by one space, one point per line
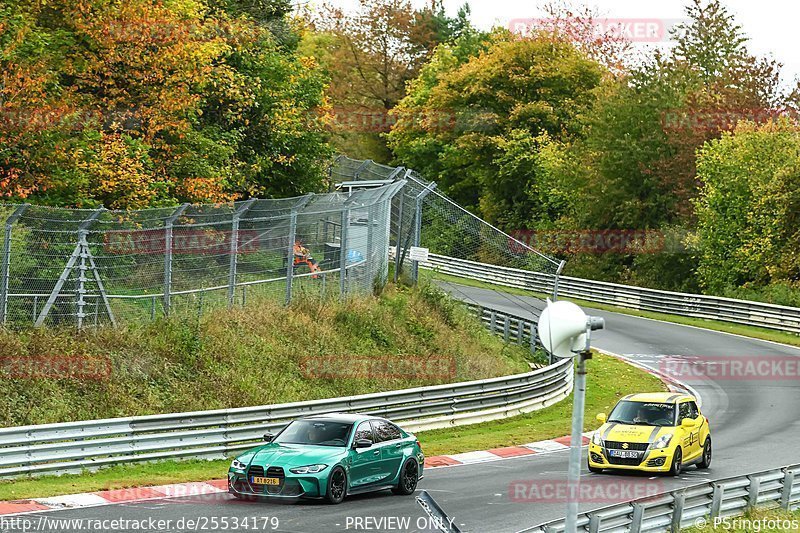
691 506
764 315
70 447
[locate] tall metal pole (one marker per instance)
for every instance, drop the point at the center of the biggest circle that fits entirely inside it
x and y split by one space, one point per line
5 267
234 251
168 256
290 249
576 444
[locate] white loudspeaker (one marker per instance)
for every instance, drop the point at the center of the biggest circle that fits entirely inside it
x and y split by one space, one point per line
562 329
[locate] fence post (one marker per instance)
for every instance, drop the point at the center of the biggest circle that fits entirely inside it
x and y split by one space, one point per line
290 249
83 245
555 281
506 329
5 268
399 236
234 259
343 255
678 502
370 243
168 255
418 226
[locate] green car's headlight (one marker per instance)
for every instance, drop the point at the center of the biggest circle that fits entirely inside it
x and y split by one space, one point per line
238 465
661 442
310 469
596 439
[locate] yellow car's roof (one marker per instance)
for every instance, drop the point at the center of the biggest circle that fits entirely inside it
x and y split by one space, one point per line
658 397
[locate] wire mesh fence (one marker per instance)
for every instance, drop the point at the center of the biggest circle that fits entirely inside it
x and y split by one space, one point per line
424 217
87 267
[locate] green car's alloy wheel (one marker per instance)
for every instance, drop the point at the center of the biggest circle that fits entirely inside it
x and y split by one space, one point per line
408 479
677 462
337 483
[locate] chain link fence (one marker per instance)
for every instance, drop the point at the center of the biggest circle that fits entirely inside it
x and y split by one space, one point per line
79 267
423 216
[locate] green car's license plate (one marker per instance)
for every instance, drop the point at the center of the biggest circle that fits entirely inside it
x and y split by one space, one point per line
265 480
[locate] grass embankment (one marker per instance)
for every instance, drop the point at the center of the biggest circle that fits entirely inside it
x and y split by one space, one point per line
608 380
738 329
261 354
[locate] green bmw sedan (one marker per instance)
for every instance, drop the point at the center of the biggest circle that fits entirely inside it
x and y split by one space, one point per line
329 456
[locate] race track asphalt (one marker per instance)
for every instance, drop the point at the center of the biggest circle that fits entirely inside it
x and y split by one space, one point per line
755 426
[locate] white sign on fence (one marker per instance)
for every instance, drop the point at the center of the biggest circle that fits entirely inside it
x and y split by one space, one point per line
415 253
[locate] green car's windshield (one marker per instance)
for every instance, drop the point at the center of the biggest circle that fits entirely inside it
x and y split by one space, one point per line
643 414
316 432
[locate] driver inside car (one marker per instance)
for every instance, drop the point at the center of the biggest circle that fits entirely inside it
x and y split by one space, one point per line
641 417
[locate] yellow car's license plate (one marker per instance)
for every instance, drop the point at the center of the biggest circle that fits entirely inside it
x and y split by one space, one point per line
265 480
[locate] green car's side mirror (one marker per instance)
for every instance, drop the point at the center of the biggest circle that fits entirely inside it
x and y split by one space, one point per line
601 417
268 437
362 443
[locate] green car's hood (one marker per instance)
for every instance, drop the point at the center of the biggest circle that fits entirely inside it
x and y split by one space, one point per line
292 455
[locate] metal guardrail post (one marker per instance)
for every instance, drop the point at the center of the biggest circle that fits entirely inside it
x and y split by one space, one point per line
752 491
786 491
168 223
594 523
678 502
5 268
506 329
234 251
716 499
637 518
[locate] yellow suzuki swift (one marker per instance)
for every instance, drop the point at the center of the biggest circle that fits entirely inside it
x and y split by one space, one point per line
652 432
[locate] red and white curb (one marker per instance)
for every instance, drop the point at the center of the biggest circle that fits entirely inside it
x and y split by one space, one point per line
497 454
111 497
217 486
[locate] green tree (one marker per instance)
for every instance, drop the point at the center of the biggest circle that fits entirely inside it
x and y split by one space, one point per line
749 211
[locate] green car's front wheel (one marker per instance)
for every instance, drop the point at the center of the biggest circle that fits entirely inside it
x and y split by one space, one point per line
409 476
337 486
